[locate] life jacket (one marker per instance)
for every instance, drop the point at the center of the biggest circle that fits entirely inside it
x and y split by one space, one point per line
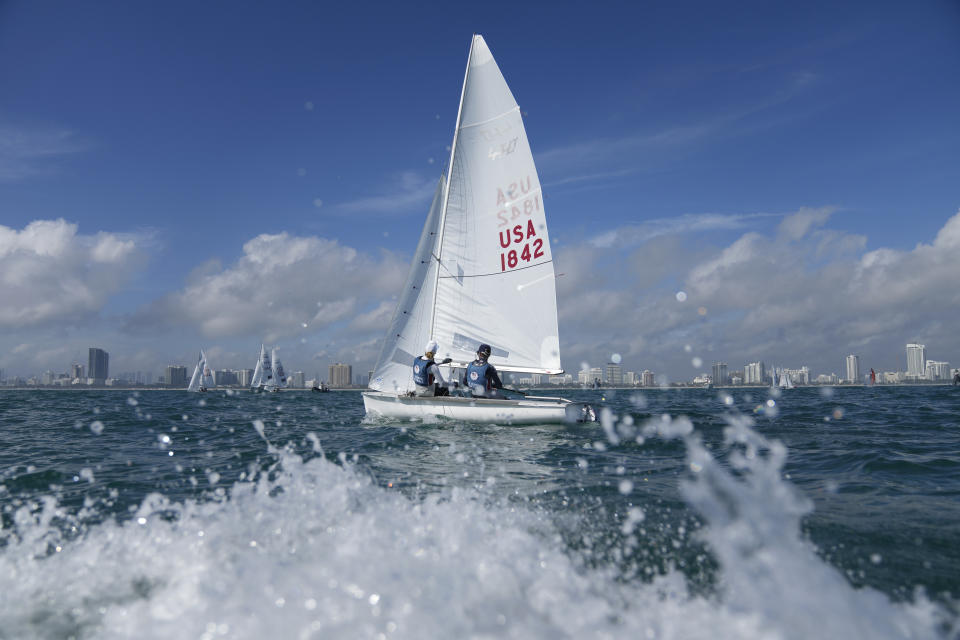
421 371
478 375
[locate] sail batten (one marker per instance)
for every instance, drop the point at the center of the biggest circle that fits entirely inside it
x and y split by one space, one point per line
479 124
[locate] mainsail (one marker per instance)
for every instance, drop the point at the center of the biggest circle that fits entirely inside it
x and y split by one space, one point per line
483 271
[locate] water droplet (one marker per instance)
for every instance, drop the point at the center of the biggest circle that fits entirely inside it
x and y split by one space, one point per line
681 296
96 427
626 487
317 202
616 358
308 105
687 348
697 362
702 311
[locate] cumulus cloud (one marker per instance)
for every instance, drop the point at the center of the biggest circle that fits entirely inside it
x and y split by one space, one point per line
282 286
51 273
806 294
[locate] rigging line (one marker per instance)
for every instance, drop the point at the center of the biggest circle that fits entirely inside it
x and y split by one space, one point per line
498 273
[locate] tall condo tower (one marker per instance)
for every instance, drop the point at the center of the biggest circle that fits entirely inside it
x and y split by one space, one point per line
916 360
853 368
98 365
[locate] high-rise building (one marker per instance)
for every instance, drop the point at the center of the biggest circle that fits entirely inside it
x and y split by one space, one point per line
340 375
614 374
647 378
98 365
937 370
754 373
225 377
176 376
298 380
853 369
720 373
76 370
244 377
916 360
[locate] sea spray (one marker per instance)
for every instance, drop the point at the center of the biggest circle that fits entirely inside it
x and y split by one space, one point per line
317 546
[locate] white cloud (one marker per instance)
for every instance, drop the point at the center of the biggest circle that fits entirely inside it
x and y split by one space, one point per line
51 273
280 284
804 295
28 151
689 223
406 190
797 225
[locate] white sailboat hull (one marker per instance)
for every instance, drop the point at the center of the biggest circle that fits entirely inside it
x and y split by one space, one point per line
529 410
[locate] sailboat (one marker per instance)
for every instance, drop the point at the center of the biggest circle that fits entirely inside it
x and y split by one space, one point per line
279 379
263 372
202 378
482 272
785 381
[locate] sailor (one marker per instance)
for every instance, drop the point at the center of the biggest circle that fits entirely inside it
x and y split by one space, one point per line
481 376
426 374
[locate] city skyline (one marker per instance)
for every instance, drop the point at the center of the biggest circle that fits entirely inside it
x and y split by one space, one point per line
783 196
613 373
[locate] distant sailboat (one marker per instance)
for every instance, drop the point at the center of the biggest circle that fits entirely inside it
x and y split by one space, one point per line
279 379
785 381
263 373
202 379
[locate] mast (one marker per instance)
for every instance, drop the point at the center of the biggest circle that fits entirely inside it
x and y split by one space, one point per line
446 187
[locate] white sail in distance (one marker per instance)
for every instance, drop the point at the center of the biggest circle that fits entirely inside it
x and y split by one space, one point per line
257 380
195 379
496 281
279 376
207 379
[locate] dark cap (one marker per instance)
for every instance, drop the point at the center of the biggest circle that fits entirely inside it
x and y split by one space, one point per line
483 349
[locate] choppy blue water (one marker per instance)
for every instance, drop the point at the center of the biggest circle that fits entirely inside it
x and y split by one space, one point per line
685 514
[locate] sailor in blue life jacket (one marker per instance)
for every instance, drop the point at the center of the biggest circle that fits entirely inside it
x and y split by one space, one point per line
481 376
427 378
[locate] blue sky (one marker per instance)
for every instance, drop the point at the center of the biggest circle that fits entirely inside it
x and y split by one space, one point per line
664 134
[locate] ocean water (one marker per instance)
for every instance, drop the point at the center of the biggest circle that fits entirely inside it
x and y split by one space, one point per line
682 514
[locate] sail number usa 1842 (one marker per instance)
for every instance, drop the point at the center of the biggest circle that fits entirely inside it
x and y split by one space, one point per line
519 242
525 245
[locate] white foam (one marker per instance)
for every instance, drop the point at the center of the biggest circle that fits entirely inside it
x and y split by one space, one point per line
320 551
